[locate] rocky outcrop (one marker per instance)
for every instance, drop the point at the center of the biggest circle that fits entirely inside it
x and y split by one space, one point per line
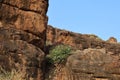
112 40
94 64
89 64
20 55
17 51
14 34
79 41
27 15
23 26
92 58
59 36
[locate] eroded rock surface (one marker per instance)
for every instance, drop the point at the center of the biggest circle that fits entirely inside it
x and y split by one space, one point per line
93 64
89 64
80 41
28 15
20 55
23 26
21 51
92 58
112 40
15 34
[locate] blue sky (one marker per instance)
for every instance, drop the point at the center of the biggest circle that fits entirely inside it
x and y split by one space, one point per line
100 17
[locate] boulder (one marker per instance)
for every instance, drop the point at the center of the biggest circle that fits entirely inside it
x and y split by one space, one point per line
88 64
94 64
112 40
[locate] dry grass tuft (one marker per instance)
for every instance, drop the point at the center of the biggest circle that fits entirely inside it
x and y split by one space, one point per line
13 75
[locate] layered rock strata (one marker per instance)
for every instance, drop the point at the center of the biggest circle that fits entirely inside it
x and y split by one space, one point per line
23 26
27 15
92 58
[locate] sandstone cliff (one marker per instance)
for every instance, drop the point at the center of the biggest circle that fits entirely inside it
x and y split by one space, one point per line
91 59
80 41
24 32
23 26
27 15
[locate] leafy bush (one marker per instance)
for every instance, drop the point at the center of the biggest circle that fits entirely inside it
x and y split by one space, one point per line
59 53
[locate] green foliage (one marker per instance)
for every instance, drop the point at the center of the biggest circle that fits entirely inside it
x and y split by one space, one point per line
59 53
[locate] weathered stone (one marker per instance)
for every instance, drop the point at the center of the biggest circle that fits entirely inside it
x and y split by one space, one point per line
89 64
38 6
14 34
27 15
94 64
59 36
19 55
112 40
92 58
23 26
79 41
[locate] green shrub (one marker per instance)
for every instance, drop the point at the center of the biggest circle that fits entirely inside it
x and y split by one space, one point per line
59 53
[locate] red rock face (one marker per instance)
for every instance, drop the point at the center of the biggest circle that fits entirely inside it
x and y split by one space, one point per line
92 58
28 15
80 41
38 6
23 26
59 36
